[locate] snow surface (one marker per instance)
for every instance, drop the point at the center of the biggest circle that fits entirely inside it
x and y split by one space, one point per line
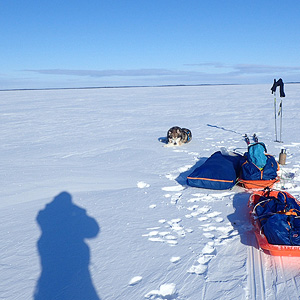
94 207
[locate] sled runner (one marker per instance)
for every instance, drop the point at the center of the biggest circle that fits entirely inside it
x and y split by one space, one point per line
275 216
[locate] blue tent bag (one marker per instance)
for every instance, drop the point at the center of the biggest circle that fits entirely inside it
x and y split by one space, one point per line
219 172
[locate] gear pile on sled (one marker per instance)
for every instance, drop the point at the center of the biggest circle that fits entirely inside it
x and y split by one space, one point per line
258 170
275 216
255 169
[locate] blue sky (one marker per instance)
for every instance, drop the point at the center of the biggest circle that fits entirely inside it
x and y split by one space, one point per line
125 42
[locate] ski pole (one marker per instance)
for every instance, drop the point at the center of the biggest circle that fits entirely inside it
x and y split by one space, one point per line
275 114
280 113
273 89
282 94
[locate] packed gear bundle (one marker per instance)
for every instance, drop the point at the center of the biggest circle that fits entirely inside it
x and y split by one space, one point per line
220 172
276 219
259 169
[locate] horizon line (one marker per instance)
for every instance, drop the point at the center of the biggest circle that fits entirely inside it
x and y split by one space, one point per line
111 87
126 86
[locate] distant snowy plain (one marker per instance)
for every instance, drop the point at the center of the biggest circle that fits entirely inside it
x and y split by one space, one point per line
90 195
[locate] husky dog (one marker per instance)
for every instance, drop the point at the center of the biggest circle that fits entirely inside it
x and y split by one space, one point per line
177 136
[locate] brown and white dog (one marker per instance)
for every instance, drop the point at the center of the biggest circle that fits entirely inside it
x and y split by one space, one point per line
177 136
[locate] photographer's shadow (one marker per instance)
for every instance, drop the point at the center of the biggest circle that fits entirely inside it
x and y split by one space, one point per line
64 255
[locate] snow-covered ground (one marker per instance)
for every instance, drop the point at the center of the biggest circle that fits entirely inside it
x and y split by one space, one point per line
90 196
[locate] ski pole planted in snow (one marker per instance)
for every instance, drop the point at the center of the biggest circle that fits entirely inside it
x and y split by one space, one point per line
275 115
277 83
280 114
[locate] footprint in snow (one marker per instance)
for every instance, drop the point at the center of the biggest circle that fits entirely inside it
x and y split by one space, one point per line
196 211
176 227
222 234
170 236
175 198
161 236
198 197
201 265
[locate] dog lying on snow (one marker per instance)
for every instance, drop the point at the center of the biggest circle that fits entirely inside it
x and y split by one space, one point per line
177 136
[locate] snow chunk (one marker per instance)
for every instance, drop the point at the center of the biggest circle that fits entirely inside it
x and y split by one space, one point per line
184 168
142 184
152 233
219 219
213 214
175 259
167 290
208 249
177 220
208 235
156 239
171 177
135 280
175 188
199 269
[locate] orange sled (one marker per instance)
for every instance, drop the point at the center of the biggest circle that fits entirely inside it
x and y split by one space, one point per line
271 249
257 184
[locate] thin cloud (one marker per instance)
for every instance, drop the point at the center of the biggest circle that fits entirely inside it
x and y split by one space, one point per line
244 69
109 73
209 69
208 64
263 69
202 73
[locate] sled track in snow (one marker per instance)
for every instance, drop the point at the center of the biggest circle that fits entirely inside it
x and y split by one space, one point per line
256 282
289 280
270 278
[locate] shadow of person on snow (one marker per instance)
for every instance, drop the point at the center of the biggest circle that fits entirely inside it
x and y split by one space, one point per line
240 219
64 255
